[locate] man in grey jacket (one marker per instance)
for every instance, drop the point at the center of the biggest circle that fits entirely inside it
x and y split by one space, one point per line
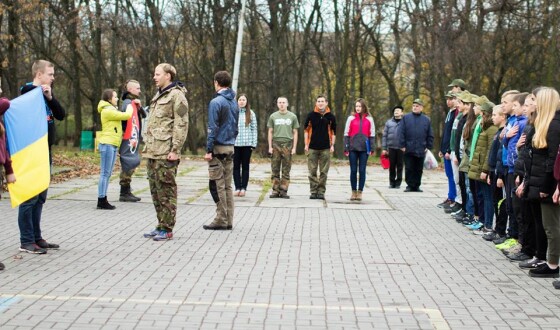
390 145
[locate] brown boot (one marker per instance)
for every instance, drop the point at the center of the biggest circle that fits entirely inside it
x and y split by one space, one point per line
354 193
359 195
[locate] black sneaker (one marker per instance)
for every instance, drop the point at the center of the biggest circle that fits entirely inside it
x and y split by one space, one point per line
543 271
45 245
500 240
531 264
456 207
2 267
320 196
490 236
556 285
32 248
519 256
275 195
313 196
444 203
284 195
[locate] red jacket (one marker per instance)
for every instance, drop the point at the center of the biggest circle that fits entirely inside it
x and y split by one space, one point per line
4 155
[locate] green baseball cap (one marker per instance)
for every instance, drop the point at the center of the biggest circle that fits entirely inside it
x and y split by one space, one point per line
450 95
487 107
418 101
481 100
458 82
465 96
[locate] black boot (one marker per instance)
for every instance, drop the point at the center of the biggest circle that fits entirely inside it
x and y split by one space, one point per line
103 204
127 196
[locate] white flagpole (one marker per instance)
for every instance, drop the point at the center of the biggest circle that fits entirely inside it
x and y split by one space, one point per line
238 47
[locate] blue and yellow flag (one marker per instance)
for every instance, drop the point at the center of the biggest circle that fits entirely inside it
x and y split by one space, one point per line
27 133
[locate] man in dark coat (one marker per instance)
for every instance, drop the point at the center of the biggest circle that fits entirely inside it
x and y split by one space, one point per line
415 139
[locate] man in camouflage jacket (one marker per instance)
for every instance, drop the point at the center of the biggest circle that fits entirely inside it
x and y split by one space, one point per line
166 132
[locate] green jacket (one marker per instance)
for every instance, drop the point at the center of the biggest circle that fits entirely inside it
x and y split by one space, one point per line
481 152
111 123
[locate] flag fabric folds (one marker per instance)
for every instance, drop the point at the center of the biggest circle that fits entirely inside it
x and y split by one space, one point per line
27 135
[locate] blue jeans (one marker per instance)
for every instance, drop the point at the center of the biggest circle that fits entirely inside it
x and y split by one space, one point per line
358 160
108 156
29 219
451 190
485 192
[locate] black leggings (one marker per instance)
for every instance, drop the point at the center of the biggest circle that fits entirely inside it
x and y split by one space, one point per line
241 161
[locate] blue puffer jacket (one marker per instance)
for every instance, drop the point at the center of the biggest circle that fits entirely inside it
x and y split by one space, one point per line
223 113
415 134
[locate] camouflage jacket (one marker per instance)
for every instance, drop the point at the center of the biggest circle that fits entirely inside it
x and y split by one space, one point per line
168 122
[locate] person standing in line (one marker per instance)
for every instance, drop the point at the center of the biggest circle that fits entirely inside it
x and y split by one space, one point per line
109 141
129 153
5 160
166 133
320 136
245 142
415 139
282 141
29 213
359 143
390 146
542 184
223 113
445 154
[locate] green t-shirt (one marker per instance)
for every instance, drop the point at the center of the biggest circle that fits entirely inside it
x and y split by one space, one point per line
282 126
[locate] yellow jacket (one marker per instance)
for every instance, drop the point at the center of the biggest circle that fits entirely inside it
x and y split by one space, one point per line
111 123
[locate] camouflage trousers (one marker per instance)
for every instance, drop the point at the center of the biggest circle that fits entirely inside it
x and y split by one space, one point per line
281 161
318 160
126 177
220 174
161 176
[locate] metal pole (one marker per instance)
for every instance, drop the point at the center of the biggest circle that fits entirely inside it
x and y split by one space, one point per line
238 47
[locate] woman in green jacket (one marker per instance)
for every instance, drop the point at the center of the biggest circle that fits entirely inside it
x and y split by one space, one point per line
479 169
109 141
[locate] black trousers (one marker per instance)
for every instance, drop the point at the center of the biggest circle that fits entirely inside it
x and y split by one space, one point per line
540 240
414 167
395 167
510 193
463 188
499 206
241 162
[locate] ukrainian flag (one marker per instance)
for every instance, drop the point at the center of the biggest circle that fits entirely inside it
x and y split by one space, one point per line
27 135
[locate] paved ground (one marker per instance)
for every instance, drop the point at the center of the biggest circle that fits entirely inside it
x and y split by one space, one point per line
393 261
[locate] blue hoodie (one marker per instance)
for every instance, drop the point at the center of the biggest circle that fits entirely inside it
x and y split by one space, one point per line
223 113
510 153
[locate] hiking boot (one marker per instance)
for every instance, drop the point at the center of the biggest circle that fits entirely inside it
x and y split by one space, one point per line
358 195
320 196
519 256
284 195
163 235
45 245
354 193
274 195
103 204
531 264
214 226
127 196
444 203
32 248
544 271
152 234
313 196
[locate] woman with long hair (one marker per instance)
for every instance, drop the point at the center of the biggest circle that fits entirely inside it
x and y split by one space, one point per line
359 142
245 142
541 184
109 141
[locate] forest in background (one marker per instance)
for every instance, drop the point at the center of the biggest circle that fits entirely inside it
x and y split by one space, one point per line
386 51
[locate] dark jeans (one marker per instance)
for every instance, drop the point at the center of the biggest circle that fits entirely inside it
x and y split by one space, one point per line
510 187
241 162
487 203
499 206
358 160
29 219
395 167
476 199
414 167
